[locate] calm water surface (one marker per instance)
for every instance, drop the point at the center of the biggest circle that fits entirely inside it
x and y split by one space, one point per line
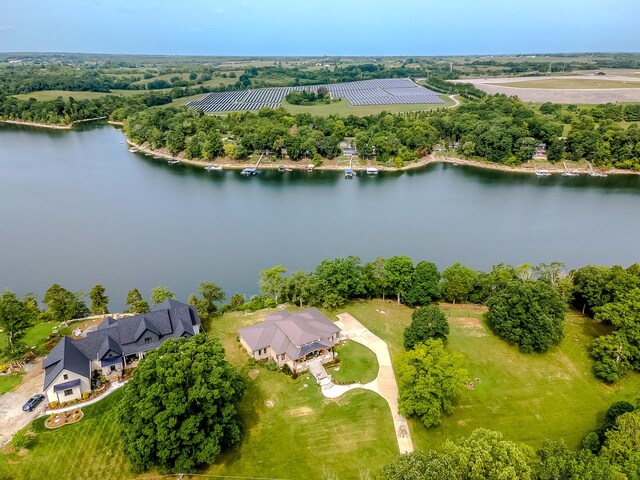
77 208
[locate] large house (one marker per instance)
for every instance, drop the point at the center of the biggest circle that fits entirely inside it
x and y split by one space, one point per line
291 338
114 345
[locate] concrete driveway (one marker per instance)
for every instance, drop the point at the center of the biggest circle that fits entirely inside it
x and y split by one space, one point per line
385 383
12 418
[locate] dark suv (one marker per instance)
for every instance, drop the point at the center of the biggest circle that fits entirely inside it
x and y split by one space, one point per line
33 402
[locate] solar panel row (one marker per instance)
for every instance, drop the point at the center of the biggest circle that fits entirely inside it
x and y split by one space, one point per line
362 92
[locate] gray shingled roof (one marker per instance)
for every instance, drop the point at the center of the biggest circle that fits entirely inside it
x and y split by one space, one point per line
170 319
65 356
290 333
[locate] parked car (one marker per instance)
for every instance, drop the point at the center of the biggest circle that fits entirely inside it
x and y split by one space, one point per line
33 402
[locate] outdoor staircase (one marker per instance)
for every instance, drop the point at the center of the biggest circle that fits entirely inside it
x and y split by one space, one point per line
321 375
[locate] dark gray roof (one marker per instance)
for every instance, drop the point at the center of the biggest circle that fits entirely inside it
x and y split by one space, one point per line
109 344
65 356
63 386
291 333
170 319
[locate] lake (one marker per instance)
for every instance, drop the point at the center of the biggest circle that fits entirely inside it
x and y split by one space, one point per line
77 208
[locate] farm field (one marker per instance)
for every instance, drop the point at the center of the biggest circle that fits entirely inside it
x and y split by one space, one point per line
552 89
526 397
573 83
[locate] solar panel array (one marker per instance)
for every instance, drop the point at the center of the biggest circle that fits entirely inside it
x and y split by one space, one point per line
391 91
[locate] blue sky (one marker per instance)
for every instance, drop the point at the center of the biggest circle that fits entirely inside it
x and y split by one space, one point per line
311 27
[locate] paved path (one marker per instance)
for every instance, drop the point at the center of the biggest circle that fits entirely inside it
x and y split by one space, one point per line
384 384
112 388
12 418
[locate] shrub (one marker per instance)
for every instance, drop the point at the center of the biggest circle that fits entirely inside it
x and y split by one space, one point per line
286 370
20 440
85 395
53 405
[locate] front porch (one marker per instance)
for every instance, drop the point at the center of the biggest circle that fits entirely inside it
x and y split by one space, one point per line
324 356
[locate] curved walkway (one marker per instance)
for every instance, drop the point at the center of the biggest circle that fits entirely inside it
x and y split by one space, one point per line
384 384
112 388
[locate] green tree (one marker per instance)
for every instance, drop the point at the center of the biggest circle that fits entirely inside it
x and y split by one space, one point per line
529 313
236 301
374 278
426 322
557 461
613 356
160 293
192 300
15 318
301 287
457 282
99 300
425 285
485 455
421 465
429 379
135 302
399 275
180 409
622 447
338 281
272 283
64 305
211 295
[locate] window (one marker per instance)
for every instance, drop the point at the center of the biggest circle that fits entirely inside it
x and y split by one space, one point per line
65 377
147 339
68 391
113 368
262 351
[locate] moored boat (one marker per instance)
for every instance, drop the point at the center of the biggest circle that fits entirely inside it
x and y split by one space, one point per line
209 168
372 171
249 171
349 173
543 173
174 161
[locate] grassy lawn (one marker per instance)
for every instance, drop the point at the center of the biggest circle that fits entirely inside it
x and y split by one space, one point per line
569 82
357 364
293 430
37 334
342 107
90 448
526 397
9 382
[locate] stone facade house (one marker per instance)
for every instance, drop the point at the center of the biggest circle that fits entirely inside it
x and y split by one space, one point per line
291 338
114 345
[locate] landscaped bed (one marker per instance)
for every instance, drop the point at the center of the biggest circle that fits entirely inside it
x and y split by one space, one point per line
57 420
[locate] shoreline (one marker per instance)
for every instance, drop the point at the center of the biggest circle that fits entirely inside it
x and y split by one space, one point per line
227 164
51 125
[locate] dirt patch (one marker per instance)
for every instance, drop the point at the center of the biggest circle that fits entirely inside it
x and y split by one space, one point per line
301 412
253 373
473 326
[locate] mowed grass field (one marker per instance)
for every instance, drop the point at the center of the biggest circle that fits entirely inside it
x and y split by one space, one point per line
526 397
293 431
90 448
571 83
